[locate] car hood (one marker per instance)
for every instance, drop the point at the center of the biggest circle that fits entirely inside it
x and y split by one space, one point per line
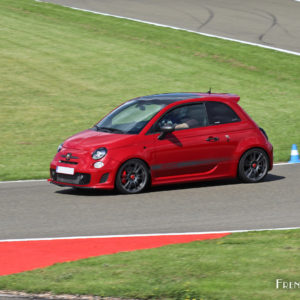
90 139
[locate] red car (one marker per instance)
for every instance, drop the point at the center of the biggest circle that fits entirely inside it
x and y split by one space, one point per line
163 139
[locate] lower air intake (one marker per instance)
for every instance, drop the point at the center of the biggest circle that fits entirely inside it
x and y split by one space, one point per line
77 178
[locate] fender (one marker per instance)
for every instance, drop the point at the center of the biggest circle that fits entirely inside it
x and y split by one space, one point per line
254 142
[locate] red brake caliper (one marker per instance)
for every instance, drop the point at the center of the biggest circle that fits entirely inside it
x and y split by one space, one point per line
123 177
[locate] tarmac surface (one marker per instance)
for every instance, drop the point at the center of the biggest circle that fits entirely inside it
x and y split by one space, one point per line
274 23
41 210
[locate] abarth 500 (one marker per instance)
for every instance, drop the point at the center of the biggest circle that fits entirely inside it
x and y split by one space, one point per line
163 139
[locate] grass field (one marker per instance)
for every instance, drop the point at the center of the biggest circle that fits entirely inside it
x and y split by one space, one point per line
62 70
239 266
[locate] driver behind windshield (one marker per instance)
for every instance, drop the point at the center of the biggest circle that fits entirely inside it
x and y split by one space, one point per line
183 118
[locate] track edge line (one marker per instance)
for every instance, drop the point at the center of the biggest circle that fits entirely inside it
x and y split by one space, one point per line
145 235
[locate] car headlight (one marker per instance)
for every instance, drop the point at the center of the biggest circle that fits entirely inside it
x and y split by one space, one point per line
99 153
59 147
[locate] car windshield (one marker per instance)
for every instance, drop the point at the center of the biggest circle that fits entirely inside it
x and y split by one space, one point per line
131 117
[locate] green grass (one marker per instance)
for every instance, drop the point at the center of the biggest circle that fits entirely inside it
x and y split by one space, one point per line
62 70
239 266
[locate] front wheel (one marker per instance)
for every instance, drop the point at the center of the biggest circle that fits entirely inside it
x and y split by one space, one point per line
253 165
132 177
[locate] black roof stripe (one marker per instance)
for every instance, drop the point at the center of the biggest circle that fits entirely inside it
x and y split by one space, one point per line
170 96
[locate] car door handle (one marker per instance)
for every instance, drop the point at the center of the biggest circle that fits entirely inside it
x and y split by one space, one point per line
212 139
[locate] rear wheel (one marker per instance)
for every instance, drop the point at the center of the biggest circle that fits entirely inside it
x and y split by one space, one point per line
132 177
253 165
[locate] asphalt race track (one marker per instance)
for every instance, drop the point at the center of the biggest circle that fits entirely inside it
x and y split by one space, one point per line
36 209
39 209
274 23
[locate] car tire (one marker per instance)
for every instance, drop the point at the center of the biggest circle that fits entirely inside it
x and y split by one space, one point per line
253 166
132 177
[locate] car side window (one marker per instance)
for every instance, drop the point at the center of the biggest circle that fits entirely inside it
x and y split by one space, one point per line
220 113
184 117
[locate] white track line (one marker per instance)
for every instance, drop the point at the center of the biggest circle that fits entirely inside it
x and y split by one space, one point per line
182 29
45 180
24 181
284 163
143 235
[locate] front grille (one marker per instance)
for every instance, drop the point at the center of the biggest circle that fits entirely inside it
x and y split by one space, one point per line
67 157
77 178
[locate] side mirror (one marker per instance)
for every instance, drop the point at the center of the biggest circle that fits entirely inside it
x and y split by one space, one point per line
165 129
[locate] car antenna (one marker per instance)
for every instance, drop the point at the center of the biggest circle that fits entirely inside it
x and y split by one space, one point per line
209 92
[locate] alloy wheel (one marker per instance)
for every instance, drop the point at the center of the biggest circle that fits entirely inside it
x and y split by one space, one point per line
132 177
254 165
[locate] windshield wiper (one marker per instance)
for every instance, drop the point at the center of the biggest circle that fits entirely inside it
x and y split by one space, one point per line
108 129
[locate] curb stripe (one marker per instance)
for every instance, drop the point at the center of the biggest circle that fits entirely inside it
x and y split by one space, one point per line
23 256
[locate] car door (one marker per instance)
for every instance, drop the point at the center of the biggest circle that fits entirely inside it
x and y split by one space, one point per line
188 151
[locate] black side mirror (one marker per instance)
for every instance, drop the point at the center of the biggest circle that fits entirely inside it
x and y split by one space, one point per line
165 129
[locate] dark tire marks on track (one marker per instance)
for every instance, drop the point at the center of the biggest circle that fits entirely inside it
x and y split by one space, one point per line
274 23
198 19
209 19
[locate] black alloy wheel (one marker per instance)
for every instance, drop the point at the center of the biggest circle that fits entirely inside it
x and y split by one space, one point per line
133 177
253 165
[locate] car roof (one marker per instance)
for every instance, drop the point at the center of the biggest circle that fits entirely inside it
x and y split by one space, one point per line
172 97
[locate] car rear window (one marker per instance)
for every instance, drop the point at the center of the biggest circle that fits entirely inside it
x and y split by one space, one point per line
220 113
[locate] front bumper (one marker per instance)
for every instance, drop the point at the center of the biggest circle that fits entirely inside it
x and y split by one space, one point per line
85 174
